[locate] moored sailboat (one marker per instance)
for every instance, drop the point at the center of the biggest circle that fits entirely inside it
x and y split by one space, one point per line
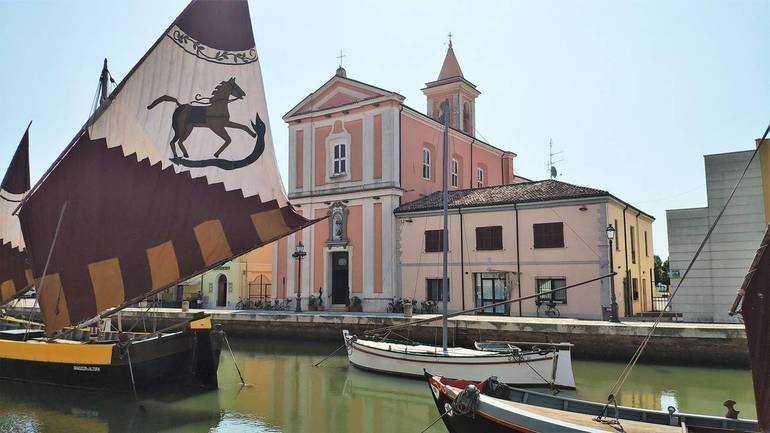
173 175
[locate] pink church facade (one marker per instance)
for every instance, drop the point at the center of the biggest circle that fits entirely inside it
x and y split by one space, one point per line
356 153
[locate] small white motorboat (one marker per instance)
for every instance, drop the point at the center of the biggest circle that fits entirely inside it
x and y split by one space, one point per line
545 365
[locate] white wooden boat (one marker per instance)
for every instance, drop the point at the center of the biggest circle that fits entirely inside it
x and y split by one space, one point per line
551 366
491 407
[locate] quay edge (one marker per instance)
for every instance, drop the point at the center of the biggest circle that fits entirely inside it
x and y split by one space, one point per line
676 343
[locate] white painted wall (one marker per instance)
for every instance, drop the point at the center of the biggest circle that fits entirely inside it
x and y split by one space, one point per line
708 292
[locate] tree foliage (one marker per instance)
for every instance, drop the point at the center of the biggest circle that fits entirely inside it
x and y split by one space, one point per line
661 271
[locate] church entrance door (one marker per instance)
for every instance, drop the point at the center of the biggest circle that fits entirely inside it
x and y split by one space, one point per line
340 283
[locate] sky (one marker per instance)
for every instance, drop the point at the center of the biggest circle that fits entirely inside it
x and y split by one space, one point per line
633 93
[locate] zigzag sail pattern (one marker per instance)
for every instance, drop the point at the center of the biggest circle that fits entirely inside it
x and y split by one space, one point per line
13 256
174 175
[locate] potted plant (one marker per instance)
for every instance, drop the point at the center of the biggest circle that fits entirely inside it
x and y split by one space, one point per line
312 304
408 308
355 304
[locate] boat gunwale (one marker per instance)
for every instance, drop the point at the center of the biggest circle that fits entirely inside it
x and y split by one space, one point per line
504 358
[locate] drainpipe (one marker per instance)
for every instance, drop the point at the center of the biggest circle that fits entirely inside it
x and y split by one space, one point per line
625 251
518 262
639 262
462 256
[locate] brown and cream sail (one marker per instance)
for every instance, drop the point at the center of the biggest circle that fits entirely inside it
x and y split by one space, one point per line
13 258
754 301
175 174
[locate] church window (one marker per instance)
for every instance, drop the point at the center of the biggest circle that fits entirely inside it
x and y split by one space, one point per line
455 173
480 178
340 159
426 163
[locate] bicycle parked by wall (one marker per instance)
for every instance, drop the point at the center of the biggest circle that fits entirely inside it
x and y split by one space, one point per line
550 309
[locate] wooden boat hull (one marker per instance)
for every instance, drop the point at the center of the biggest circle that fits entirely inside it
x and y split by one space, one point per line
531 369
189 356
545 413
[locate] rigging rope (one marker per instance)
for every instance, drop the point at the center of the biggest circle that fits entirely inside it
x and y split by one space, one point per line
638 353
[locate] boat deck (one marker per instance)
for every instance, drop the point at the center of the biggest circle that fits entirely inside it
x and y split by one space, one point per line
586 420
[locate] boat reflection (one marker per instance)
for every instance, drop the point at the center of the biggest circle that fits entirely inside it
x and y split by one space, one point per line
287 393
31 408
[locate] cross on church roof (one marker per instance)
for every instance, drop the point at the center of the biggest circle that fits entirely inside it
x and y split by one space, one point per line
340 57
450 39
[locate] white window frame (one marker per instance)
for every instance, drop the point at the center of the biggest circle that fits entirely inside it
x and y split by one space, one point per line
455 173
479 177
426 165
340 159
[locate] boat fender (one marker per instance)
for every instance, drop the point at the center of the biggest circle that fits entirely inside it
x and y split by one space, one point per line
496 389
467 401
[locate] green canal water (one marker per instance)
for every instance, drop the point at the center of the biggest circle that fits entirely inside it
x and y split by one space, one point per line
287 394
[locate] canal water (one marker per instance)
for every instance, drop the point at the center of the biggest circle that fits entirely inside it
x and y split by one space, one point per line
285 393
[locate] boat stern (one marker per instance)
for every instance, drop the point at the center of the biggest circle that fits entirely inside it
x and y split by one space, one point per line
207 347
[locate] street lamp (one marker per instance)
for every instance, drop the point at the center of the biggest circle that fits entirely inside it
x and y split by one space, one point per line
613 300
299 253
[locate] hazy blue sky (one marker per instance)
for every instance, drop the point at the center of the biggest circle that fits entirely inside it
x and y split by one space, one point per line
633 92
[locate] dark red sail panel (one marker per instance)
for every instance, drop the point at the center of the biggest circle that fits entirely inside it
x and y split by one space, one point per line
174 175
13 258
755 310
130 229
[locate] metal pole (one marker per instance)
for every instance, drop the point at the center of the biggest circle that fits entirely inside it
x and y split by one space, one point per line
613 299
298 309
445 280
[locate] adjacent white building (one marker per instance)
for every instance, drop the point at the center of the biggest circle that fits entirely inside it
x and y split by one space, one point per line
708 292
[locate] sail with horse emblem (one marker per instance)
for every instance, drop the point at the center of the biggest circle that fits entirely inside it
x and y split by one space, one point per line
174 174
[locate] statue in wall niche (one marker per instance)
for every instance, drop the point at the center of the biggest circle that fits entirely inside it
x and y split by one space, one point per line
337 229
338 225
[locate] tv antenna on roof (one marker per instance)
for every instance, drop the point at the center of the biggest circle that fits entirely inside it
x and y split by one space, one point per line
552 172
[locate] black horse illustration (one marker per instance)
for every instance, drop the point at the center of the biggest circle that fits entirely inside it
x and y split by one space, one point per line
210 112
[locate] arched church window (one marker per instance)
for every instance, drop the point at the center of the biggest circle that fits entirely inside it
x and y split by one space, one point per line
425 163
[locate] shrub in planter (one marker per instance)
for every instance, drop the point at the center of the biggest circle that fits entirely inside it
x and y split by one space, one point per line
355 304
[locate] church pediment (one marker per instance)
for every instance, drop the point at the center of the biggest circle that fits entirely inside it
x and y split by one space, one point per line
338 92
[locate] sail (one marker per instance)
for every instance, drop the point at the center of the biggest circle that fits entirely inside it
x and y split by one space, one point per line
174 175
13 264
754 299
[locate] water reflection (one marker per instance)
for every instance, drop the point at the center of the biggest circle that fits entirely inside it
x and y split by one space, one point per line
287 394
26 408
286 390
689 389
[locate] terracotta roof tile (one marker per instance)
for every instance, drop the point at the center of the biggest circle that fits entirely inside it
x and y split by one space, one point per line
526 192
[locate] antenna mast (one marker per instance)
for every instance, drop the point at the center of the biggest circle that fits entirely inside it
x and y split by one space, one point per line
552 172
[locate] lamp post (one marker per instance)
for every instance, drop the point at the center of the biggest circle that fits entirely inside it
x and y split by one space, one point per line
299 253
613 299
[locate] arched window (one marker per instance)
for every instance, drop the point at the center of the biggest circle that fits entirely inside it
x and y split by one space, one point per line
467 118
480 178
425 163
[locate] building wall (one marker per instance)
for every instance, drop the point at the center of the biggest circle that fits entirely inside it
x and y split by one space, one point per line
583 257
708 292
418 133
632 260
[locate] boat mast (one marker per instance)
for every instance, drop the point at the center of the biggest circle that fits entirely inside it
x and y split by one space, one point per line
445 234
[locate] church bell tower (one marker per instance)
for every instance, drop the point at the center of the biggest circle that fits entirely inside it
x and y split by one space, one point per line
452 87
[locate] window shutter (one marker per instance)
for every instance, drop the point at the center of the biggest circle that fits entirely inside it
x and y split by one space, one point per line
549 235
